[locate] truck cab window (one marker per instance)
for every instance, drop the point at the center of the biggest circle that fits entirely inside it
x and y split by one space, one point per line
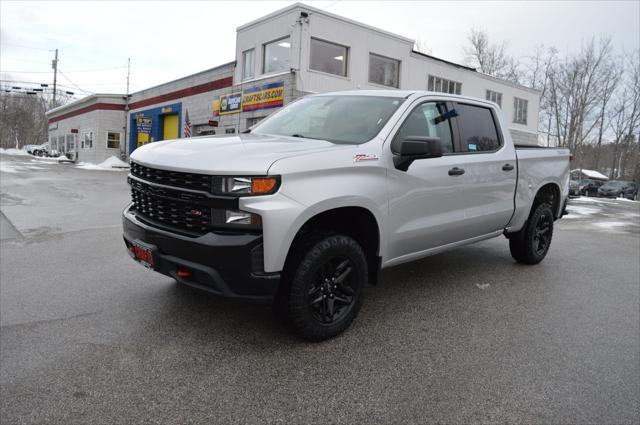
477 128
429 120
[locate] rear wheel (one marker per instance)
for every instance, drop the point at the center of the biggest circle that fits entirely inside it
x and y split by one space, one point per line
531 244
323 289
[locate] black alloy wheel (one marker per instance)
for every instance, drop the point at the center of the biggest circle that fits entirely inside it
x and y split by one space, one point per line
531 244
542 233
331 296
323 285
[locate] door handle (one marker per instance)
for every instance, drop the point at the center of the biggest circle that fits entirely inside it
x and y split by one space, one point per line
507 167
455 171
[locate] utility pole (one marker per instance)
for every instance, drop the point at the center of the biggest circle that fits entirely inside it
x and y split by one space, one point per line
54 65
123 149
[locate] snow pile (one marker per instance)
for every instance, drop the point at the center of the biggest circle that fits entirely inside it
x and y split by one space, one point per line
578 211
112 163
13 151
61 158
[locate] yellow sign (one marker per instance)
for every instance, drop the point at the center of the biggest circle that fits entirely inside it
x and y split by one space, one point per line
230 103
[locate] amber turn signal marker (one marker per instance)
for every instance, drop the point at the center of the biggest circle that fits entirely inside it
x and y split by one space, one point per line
263 185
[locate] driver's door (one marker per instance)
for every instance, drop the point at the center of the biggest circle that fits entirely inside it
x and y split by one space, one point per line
426 202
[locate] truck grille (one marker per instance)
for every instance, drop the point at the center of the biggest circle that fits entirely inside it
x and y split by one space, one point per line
171 208
172 178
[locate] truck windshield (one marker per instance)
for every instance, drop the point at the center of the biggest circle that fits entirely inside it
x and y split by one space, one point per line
338 118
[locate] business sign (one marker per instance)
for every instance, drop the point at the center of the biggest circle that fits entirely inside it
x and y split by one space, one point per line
230 103
143 124
263 97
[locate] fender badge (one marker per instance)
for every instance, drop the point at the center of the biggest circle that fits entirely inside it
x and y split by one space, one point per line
359 157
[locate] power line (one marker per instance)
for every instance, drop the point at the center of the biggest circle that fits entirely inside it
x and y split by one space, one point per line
72 83
26 47
70 72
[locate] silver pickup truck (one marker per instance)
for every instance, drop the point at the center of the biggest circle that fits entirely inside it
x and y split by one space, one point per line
315 200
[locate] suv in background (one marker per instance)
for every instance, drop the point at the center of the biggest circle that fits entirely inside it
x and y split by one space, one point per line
618 188
41 150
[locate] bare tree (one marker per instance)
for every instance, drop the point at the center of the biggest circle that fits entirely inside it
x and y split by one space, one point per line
490 58
626 120
421 45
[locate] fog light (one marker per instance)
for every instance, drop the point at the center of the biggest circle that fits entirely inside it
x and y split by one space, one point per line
241 217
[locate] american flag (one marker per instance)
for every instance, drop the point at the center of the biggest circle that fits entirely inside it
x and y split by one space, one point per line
186 131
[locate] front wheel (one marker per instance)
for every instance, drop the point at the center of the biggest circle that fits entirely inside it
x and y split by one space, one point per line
324 289
531 244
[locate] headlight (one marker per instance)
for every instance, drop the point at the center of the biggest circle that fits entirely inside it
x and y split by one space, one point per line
246 186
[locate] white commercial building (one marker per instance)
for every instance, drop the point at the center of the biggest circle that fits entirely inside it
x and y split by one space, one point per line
292 52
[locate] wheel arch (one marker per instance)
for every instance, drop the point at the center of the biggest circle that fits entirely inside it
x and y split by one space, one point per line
358 222
549 193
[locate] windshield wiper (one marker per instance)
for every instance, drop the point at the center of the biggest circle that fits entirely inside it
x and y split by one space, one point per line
305 137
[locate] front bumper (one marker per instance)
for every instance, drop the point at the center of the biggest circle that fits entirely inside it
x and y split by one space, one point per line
226 264
608 194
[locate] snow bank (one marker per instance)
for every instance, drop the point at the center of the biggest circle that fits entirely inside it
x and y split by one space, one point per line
112 163
13 151
611 224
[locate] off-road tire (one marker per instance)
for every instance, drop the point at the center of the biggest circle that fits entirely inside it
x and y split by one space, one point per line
305 275
526 246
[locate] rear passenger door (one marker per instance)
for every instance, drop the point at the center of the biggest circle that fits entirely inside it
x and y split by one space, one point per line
489 169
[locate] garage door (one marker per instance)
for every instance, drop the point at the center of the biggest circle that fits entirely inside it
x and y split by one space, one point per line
170 127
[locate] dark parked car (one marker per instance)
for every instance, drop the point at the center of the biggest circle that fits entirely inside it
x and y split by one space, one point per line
574 188
589 187
618 188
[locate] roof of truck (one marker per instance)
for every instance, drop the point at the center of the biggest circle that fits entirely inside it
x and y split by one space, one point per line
397 94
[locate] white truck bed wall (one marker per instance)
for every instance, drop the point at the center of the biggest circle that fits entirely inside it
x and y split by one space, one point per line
538 167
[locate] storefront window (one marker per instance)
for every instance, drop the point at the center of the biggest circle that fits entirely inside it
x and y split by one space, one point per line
87 140
276 56
71 142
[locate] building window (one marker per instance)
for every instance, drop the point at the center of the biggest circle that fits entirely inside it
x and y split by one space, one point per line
276 56
253 121
71 145
87 140
328 57
520 110
442 85
113 140
494 96
230 130
248 64
384 71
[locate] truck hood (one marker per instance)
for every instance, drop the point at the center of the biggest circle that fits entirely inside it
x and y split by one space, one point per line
240 154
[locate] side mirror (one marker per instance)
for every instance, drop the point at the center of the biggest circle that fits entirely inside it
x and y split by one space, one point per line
415 147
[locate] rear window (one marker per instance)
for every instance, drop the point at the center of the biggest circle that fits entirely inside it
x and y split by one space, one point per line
477 128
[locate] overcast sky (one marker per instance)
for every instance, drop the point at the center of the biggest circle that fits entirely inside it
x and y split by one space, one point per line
168 40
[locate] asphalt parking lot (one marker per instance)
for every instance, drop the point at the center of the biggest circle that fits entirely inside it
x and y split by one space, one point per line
88 336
